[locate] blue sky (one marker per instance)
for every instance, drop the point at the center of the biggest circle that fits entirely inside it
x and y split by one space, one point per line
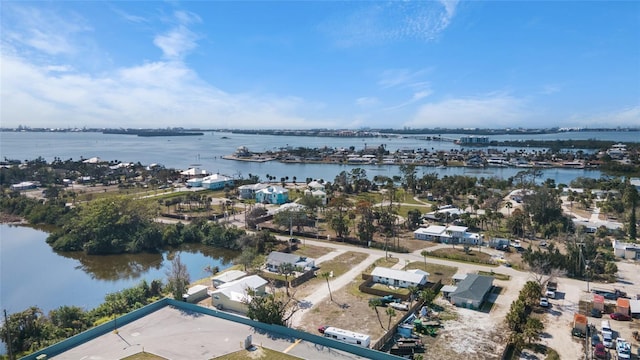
320 64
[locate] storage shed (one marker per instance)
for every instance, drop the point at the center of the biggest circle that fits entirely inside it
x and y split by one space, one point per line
598 302
623 306
195 293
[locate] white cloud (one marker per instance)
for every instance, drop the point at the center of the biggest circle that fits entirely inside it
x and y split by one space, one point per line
179 40
155 94
377 22
627 116
491 111
366 101
41 30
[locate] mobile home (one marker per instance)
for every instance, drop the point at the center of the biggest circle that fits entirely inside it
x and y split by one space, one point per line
347 336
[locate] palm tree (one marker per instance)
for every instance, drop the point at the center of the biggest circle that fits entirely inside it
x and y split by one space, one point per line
326 275
374 303
391 313
424 254
508 205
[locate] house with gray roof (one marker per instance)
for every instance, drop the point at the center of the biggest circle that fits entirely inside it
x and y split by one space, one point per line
472 291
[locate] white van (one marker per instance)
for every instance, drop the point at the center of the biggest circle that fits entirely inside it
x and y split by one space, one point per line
607 334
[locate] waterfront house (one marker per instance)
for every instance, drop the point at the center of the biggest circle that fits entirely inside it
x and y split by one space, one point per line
315 185
227 276
399 278
233 296
216 182
319 194
272 195
249 191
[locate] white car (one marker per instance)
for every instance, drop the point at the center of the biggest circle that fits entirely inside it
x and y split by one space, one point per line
550 294
544 302
623 349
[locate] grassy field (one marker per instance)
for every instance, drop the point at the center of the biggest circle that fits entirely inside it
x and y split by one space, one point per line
458 254
496 275
144 356
312 251
257 352
436 272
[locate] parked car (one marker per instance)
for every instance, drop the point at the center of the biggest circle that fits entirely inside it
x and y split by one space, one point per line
600 352
544 302
620 317
550 294
595 340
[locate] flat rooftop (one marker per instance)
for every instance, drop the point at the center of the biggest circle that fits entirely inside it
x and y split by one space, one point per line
175 333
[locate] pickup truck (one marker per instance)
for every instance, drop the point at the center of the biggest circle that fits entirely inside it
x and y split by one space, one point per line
610 294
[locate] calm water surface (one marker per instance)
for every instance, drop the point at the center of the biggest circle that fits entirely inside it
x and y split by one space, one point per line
32 274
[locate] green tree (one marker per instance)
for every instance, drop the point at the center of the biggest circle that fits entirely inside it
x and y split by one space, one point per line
531 293
286 270
427 296
246 257
532 330
373 304
271 308
390 313
424 254
365 227
338 220
326 275
414 219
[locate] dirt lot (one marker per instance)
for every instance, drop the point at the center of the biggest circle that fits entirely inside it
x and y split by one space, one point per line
471 335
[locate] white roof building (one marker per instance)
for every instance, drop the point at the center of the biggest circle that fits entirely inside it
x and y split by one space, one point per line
399 278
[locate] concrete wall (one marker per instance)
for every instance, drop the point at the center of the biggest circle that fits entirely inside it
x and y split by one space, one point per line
137 314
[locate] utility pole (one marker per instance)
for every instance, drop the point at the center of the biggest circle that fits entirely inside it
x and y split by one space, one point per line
8 329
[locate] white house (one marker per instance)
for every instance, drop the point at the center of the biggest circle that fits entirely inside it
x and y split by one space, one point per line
249 191
234 295
216 181
448 234
227 276
315 185
317 194
399 278
626 250
432 232
276 258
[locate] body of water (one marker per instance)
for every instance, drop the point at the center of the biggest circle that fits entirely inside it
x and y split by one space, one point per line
206 152
32 274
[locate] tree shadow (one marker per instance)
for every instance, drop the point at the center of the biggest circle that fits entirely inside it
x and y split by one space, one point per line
273 335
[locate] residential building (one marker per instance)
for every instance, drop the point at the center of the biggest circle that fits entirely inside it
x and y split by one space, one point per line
276 258
448 234
249 191
399 278
234 295
317 194
227 276
472 291
272 195
626 250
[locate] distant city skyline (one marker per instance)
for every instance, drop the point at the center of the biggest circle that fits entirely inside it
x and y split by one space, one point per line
312 64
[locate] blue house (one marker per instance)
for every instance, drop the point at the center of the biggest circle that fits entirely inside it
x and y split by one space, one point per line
272 195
